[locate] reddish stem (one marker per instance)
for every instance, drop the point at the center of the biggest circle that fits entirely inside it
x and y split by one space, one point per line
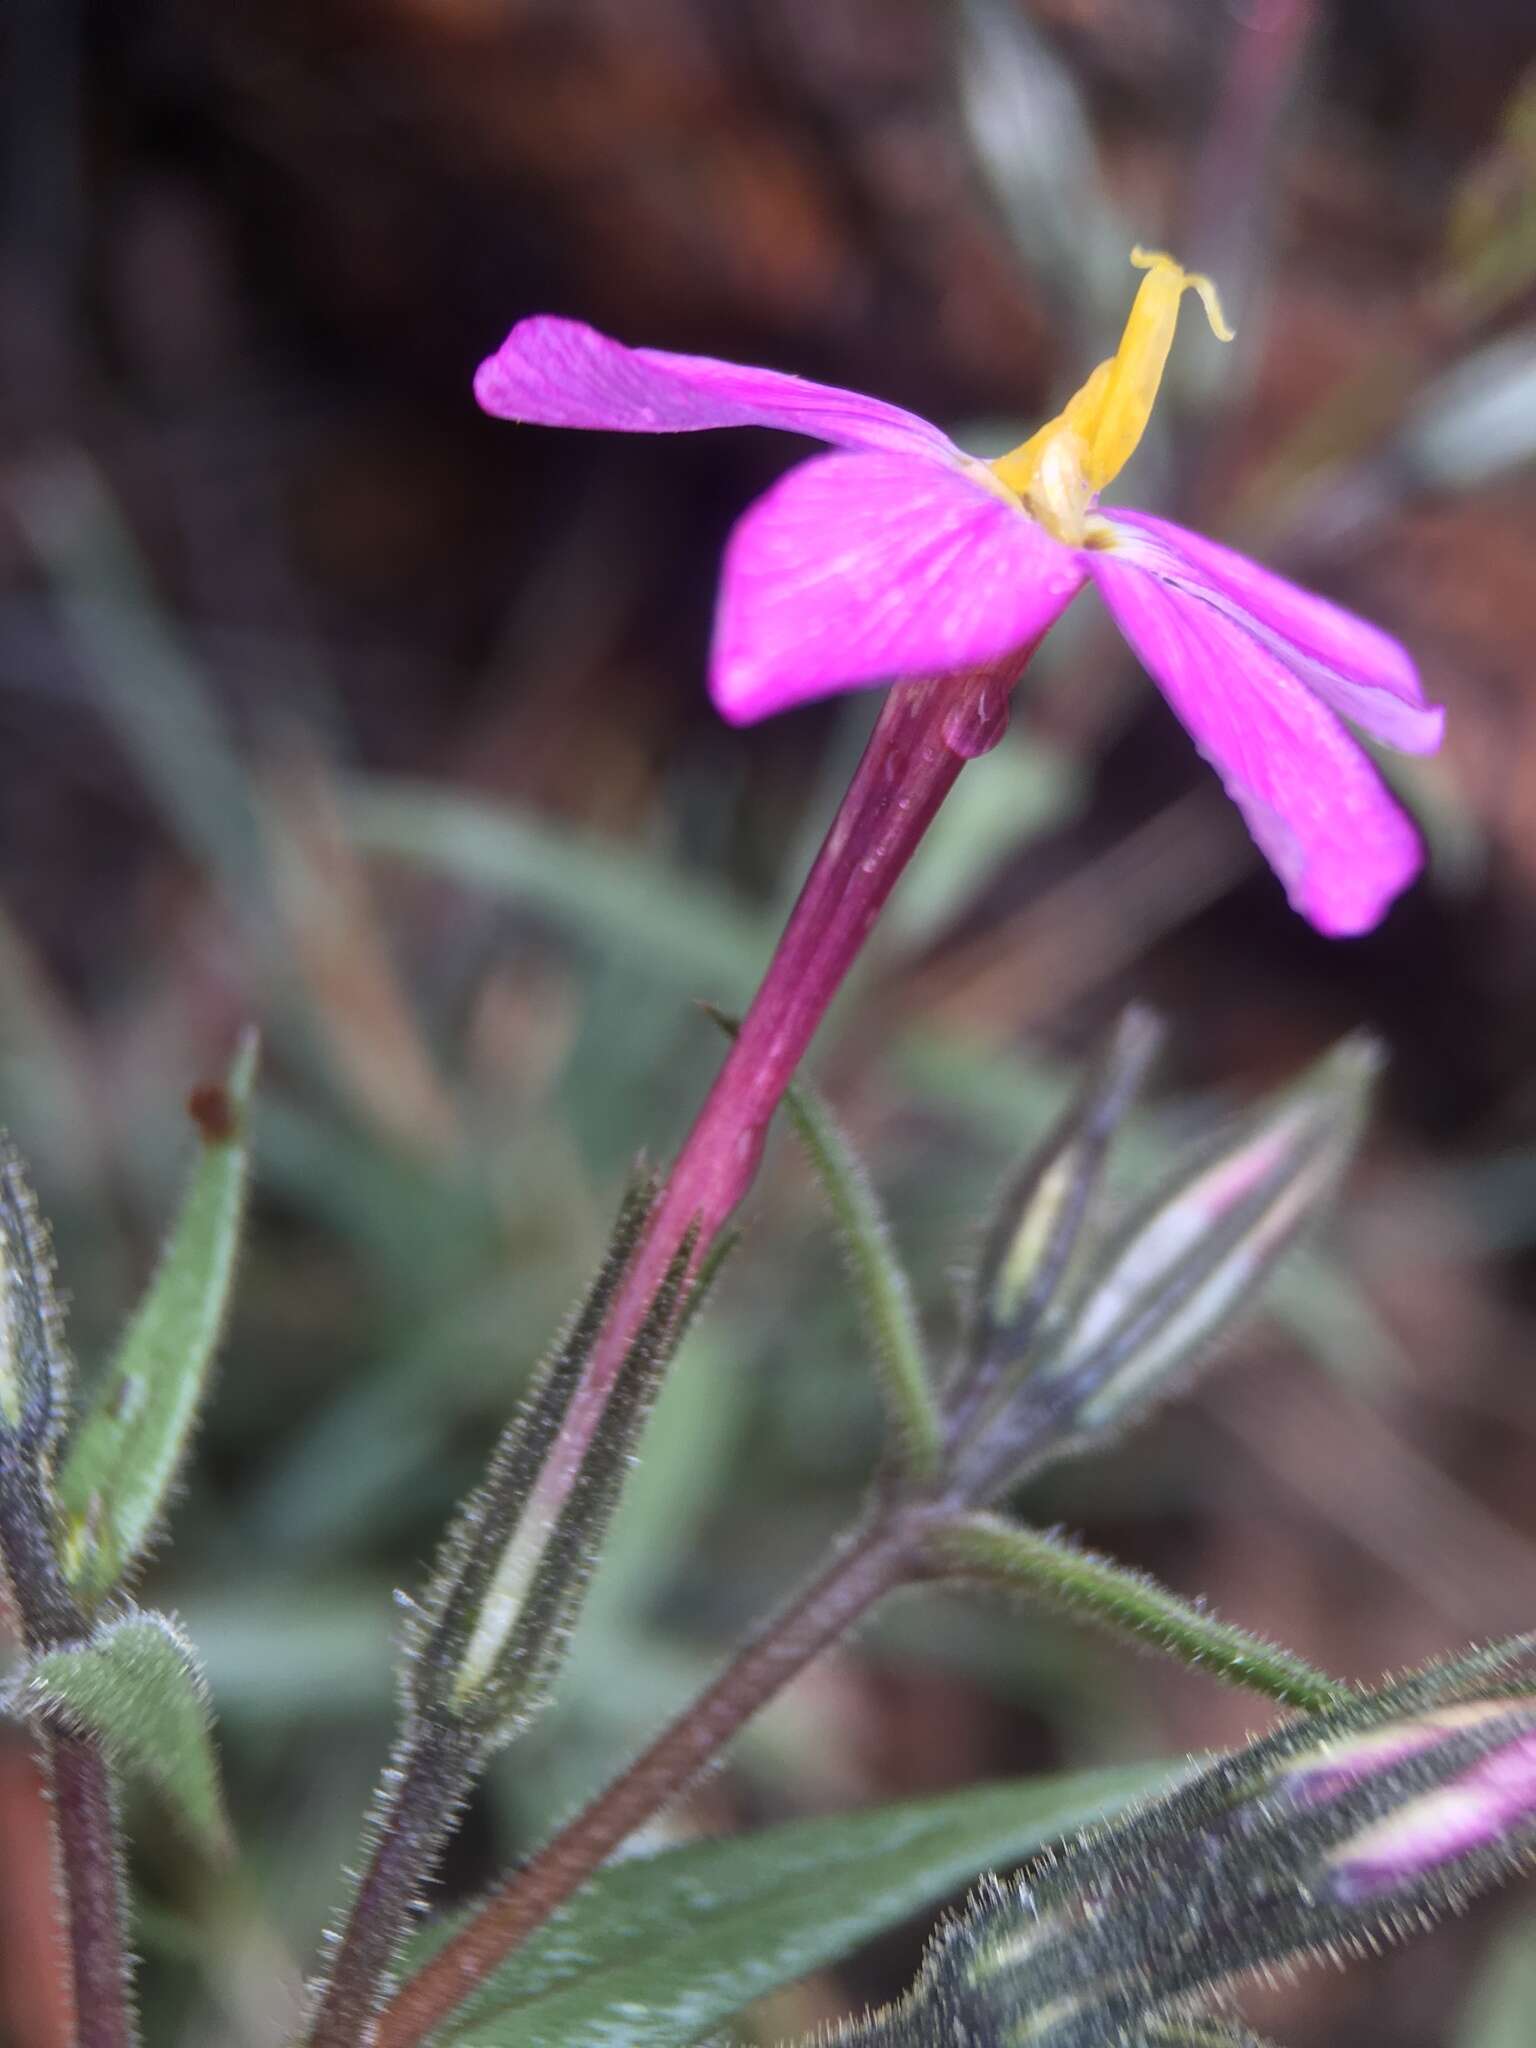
925 734
867 1566
85 1817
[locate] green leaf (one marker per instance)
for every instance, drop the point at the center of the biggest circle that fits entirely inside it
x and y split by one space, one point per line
137 1687
657 1952
161 708
1048 1568
612 895
123 1459
880 1280
1004 801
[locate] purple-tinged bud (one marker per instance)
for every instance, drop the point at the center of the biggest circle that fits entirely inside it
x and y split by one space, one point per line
1195 1254
1044 1222
1489 1807
1333 1767
1330 1835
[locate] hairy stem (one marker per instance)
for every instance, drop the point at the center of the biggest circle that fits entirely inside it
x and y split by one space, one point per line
85 1827
925 733
923 736
83 1806
1091 1588
864 1567
423 1792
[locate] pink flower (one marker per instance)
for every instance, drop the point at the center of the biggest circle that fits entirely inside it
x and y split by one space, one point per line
900 556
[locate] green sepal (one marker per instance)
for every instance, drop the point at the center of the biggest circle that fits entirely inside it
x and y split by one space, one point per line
34 1363
1184 1266
137 1687
1044 1219
123 1459
490 1631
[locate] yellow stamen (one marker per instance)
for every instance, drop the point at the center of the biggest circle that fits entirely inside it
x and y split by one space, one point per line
1059 471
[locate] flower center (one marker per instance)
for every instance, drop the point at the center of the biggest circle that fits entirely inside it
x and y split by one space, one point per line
1058 472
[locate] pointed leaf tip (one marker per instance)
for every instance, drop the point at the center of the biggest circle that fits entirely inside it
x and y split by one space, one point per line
123 1459
137 1687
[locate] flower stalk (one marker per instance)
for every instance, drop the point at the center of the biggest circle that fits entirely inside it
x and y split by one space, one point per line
1049 1271
869 1563
923 737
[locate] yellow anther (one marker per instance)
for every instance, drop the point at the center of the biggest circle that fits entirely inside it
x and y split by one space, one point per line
1059 471
1139 362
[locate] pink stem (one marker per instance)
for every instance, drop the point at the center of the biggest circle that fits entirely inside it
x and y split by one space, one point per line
925 734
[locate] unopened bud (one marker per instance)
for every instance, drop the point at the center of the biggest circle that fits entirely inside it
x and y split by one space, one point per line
1195 1254
1045 1215
1489 1808
34 1372
1334 1833
1347 1760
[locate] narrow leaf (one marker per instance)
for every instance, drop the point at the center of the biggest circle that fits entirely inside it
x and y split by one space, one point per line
123 1459
677 927
656 1952
1128 1604
136 1686
880 1280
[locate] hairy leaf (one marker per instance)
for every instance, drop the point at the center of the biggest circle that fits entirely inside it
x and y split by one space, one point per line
658 1951
136 1686
123 1459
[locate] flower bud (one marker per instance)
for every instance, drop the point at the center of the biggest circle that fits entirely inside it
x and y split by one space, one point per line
1074 1337
489 1635
1335 1833
1489 1809
1192 1257
34 1369
1045 1214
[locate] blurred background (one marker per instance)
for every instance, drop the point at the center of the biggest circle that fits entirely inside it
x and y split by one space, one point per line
326 702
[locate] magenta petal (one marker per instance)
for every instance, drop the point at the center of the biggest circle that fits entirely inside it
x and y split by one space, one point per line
1317 808
561 373
1363 673
859 569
